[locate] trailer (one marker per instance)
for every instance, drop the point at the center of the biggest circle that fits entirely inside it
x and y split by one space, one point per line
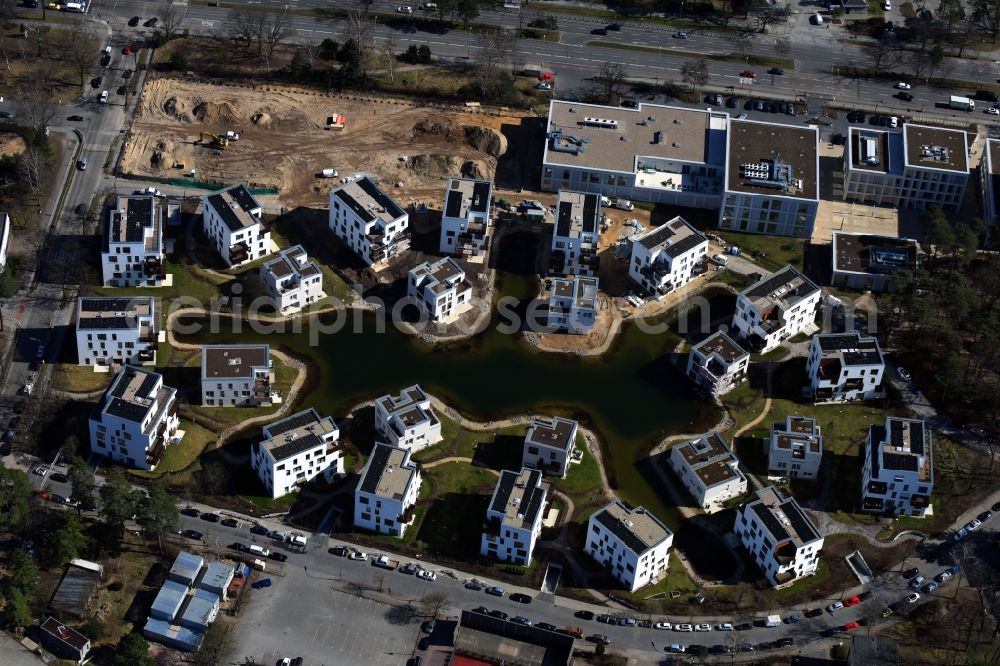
962 103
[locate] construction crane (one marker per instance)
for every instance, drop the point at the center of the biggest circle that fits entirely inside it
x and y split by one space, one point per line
214 140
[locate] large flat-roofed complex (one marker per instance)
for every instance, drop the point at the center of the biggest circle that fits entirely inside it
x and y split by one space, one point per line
514 517
465 221
780 537
116 330
709 470
772 179
631 543
774 309
897 474
232 223
867 262
795 449
295 450
989 181
440 289
844 367
663 258
576 233
369 222
236 375
717 364
132 252
910 168
387 491
407 420
655 153
572 304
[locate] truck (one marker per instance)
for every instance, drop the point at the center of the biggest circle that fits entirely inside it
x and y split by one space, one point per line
330 173
772 621
231 135
383 562
296 540
259 565
623 204
962 103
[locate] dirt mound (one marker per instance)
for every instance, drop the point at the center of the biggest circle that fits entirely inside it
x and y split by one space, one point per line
212 112
444 128
433 165
476 169
486 140
177 108
262 120
12 144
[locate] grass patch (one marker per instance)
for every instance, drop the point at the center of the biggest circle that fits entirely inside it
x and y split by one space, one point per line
182 455
219 418
455 441
584 479
752 59
736 280
775 354
770 252
656 20
265 502
79 378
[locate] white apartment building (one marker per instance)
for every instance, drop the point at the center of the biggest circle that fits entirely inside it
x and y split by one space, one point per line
631 543
440 289
232 223
780 537
866 262
135 420
654 153
236 375
897 475
549 444
291 281
296 450
663 258
514 517
909 168
369 222
407 420
572 304
772 179
709 470
132 252
465 220
576 234
989 181
387 491
116 330
774 309
795 449
717 364
844 367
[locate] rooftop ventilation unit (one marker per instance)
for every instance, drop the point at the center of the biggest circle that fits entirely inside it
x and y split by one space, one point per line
604 123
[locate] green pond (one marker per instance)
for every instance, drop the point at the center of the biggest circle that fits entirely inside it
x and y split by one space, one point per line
632 396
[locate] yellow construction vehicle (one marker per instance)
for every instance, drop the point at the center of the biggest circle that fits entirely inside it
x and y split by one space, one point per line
214 140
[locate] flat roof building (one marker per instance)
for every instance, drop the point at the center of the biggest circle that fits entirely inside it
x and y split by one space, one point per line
514 517
465 218
795 449
576 234
780 537
897 474
866 262
774 309
549 445
369 222
291 280
631 543
709 470
236 375
663 258
844 367
407 420
63 641
232 222
717 364
440 289
387 491
116 330
132 250
989 181
572 304
295 450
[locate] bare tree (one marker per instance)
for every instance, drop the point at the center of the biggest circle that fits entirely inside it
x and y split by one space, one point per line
82 50
245 27
170 21
361 28
35 107
492 47
311 48
274 30
743 44
783 47
768 16
33 164
611 76
389 55
695 72
434 603
883 54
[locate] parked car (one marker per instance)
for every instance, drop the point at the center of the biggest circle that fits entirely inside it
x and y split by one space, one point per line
733 102
546 626
409 568
134 21
474 585
943 576
912 598
263 582
278 557
746 626
853 601
742 116
600 639
866 595
230 522
851 626
339 551
499 614
910 573
358 556
815 612
424 574
482 610
210 517
904 375
584 614
188 511
663 625
520 619
495 591
193 534
258 529
886 612
917 582
683 627
542 85
626 622
902 85
605 619
931 586
835 606
151 23
959 535
792 619
725 626
59 477
520 598
973 524
985 515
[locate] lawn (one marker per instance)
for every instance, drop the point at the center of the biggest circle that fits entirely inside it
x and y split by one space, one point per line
267 502
455 441
189 281
79 378
220 418
752 59
772 252
182 455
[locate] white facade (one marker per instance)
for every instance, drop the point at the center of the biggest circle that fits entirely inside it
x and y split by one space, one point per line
440 289
897 475
717 364
136 419
387 491
132 252
407 420
465 218
709 470
549 444
369 222
514 517
631 543
116 330
663 258
572 304
780 537
576 234
774 309
232 223
844 367
296 450
291 281
795 449
236 375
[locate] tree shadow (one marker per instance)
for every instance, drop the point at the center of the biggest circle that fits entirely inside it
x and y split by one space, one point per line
400 615
750 451
504 452
453 524
519 166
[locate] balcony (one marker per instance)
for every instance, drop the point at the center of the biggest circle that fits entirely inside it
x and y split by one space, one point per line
239 253
872 504
920 501
878 487
153 266
784 553
784 578
829 370
147 355
155 452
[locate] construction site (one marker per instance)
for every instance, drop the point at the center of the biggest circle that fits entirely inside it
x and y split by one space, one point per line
302 142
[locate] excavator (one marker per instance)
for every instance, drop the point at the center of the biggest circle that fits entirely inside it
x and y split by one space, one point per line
214 140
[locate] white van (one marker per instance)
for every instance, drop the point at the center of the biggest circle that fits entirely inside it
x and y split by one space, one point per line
104 97
74 7
887 5
818 18
258 550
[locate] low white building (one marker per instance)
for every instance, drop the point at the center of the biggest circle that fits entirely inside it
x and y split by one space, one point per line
407 420
663 258
440 289
295 450
465 220
132 251
549 444
709 470
387 491
780 537
116 330
572 304
717 364
775 308
795 449
236 375
631 543
232 223
576 234
514 517
135 420
291 280
866 262
897 474
844 367
369 222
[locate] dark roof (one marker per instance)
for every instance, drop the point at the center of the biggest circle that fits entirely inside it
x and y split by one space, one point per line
240 196
128 229
73 594
907 433
680 235
781 154
232 361
531 494
453 207
480 196
68 635
854 349
292 422
368 189
900 462
873 651
114 313
621 531
577 213
875 255
721 344
936 147
296 446
142 399
376 464
555 432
